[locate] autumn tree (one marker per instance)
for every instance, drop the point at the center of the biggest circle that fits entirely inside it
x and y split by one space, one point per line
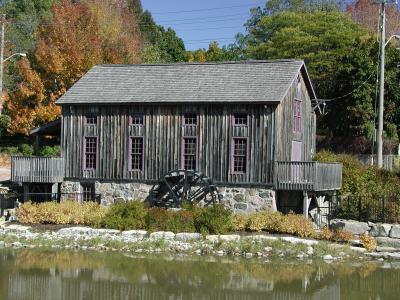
79 36
366 12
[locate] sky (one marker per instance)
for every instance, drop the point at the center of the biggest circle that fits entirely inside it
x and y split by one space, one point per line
199 22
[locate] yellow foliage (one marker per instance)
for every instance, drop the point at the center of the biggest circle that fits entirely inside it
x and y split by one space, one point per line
325 234
368 242
342 236
297 225
65 212
240 222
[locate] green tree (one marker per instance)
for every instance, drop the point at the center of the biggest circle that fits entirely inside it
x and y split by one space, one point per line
215 53
168 46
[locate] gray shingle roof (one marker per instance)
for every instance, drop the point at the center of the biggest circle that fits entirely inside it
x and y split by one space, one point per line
252 81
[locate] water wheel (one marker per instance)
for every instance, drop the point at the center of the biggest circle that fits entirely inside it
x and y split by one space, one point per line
178 186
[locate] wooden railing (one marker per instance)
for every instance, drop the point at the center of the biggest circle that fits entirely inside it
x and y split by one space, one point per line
307 176
37 169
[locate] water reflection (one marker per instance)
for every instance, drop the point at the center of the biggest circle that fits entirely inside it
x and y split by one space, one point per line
33 274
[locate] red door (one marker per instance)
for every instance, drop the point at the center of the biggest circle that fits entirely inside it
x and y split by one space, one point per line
296 157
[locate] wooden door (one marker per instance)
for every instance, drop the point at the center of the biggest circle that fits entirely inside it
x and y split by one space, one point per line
297 170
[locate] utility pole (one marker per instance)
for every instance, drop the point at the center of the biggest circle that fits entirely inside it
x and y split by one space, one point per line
381 83
3 21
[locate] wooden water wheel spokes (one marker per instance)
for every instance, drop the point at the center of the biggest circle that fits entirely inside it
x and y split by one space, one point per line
178 186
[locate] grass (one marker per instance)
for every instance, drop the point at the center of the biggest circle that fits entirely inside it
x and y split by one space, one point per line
276 248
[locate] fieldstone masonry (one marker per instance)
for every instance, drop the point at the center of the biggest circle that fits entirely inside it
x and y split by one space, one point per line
386 235
237 199
122 191
248 199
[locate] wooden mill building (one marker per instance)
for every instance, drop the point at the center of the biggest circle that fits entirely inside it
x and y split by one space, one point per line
248 126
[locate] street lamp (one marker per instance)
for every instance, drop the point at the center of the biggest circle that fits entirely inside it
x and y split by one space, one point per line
382 89
15 54
2 60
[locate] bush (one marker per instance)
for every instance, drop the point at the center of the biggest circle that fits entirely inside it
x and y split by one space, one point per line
271 221
265 221
157 219
126 216
26 149
240 222
65 212
180 221
342 236
297 225
48 151
358 180
368 242
325 234
11 150
4 123
214 219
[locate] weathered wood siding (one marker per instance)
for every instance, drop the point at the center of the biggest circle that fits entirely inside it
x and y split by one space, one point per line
162 132
284 121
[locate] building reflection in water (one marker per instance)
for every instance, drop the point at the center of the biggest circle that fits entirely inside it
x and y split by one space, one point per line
143 278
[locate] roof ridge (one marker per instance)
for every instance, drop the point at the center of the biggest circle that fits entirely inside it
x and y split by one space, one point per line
240 62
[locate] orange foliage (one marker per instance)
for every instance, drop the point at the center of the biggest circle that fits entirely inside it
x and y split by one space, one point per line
367 13
79 36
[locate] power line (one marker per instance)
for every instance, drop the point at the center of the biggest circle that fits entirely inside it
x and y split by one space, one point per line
202 9
149 25
348 94
202 18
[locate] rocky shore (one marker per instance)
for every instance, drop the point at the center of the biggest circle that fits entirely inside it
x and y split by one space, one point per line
140 241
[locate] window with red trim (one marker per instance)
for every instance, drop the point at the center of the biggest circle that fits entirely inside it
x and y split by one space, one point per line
190 119
90 154
297 108
189 153
239 155
136 154
91 119
136 119
240 119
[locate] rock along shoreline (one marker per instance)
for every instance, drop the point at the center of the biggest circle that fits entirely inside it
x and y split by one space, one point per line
141 241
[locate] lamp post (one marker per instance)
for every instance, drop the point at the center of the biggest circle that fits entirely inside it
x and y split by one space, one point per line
2 60
383 44
382 89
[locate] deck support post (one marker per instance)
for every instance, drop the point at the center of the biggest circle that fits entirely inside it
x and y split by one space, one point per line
306 204
37 144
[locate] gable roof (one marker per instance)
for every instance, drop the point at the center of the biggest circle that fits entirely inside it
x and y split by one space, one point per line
248 81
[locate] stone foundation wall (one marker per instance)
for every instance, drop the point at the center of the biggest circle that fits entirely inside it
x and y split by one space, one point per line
248 199
111 192
238 199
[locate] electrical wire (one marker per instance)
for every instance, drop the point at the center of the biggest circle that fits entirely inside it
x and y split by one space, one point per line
348 94
203 9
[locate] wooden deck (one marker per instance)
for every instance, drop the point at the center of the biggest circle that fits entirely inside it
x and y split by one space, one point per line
37 169
289 176
307 176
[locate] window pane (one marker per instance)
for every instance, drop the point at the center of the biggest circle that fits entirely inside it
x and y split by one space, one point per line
91 119
88 192
239 155
190 119
240 119
136 153
137 119
189 153
297 116
90 152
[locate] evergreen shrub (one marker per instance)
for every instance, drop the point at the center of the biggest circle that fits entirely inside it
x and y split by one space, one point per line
126 216
214 219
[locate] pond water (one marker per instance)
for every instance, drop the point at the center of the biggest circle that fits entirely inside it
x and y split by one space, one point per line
56 275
